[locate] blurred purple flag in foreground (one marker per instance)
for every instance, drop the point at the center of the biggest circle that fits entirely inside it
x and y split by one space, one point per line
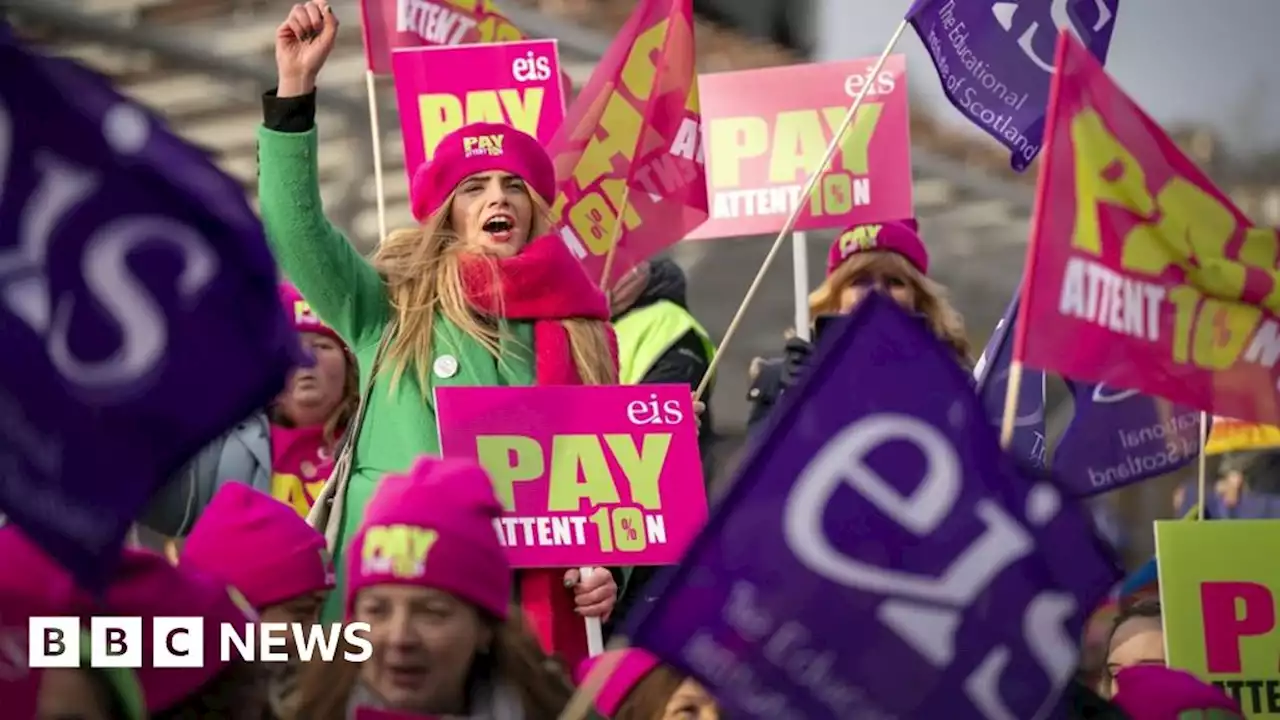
138 308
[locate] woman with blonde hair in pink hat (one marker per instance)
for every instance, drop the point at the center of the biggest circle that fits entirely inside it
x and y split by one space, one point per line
479 293
888 258
427 573
287 449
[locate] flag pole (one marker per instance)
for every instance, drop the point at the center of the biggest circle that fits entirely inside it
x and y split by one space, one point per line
1012 391
795 213
614 237
375 134
1203 464
800 279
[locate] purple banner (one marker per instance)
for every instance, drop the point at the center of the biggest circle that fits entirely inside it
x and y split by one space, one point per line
1119 437
995 59
138 308
880 557
991 376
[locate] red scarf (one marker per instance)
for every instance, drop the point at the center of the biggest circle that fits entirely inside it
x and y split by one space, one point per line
544 284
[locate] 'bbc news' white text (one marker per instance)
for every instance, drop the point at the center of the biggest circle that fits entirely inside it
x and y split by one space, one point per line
179 642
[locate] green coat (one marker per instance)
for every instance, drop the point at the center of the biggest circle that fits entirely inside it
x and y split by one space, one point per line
346 292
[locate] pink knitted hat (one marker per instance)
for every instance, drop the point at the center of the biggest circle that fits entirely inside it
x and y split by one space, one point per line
433 527
476 148
896 237
299 311
1152 692
259 545
633 666
147 586
31 584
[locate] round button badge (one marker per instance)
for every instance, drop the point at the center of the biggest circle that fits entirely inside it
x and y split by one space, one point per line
445 366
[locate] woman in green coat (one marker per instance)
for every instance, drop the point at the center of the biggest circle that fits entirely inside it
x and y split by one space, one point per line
481 293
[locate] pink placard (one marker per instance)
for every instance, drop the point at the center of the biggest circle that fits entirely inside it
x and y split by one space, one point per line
766 132
590 476
440 89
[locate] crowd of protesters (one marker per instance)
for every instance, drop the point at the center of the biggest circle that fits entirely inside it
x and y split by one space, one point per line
272 522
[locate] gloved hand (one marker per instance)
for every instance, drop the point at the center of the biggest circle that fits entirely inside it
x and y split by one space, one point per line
795 357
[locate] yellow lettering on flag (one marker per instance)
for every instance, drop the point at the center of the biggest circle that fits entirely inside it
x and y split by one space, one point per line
614 137
1167 287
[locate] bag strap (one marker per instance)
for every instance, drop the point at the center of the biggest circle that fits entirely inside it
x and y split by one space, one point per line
346 453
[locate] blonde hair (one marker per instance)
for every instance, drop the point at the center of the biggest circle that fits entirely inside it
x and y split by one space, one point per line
422 269
931 298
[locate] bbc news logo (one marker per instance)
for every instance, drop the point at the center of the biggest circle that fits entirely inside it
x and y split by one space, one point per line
179 642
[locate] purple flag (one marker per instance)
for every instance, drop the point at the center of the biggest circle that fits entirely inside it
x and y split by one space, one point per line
995 59
879 556
991 376
1119 437
138 308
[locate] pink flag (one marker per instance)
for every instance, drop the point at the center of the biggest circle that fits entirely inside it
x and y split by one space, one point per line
1140 273
391 24
605 163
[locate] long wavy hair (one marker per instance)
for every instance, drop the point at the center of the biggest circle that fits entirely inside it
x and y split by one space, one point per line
931 298
422 268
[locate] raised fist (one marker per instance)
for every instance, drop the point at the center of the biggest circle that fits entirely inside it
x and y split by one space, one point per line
303 43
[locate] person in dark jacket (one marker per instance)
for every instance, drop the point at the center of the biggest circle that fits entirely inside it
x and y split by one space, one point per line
889 258
659 342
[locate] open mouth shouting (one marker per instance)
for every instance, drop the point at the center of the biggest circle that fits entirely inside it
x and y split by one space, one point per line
500 227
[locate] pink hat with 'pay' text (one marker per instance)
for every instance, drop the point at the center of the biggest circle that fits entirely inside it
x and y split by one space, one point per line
901 237
300 313
259 545
433 527
477 148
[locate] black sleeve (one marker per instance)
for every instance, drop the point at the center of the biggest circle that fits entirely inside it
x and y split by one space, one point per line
766 388
289 115
684 362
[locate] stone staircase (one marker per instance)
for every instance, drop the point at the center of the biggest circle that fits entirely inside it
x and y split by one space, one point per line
972 208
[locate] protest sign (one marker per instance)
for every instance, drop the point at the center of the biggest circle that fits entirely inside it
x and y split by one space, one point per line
631 146
391 24
1219 597
995 60
138 308
1231 435
1149 276
589 476
440 89
879 556
767 131
1120 437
